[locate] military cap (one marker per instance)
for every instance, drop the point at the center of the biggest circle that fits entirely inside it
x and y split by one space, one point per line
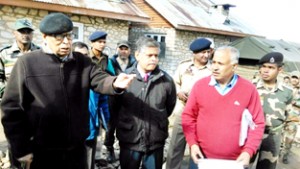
123 43
97 35
295 74
23 23
200 44
272 57
56 23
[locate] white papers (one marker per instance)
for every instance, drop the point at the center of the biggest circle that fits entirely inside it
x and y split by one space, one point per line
219 164
246 123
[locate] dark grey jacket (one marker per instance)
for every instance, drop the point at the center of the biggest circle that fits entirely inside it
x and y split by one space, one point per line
143 111
45 104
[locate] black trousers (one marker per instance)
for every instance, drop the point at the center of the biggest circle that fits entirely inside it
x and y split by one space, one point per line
73 158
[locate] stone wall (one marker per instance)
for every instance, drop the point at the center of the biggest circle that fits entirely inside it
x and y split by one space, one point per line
116 29
177 44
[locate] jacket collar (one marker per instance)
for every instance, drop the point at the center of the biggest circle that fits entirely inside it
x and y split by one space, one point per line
261 85
155 74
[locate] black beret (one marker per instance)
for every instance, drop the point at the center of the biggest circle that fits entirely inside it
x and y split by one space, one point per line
97 35
272 57
199 45
56 23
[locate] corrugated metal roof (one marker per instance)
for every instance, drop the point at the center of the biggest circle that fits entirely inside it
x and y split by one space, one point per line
125 7
197 13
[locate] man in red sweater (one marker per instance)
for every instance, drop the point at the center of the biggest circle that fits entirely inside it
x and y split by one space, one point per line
212 117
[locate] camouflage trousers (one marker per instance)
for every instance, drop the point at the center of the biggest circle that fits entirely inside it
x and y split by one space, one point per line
269 150
289 133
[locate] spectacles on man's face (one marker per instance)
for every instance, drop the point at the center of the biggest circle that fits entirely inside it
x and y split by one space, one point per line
61 37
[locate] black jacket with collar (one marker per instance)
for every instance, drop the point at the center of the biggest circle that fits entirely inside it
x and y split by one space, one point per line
45 104
144 110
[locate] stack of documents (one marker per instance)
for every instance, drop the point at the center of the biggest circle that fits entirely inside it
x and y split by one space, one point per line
246 123
219 164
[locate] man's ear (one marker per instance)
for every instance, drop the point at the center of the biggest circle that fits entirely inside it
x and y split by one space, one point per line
15 33
280 68
235 66
136 54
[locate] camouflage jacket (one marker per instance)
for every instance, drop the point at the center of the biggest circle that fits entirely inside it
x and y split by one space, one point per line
8 58
10 54
294 114
276 103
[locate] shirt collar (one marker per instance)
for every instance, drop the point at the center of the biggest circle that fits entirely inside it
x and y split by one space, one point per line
214 82
15 47
47 50
142 73
261 84
202 67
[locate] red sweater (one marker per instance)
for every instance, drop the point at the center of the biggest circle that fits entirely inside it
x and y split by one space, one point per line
213 121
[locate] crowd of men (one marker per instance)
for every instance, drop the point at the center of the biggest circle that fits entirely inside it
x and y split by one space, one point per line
57 97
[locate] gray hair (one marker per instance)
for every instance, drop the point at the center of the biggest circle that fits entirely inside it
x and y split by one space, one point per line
234 53
146 42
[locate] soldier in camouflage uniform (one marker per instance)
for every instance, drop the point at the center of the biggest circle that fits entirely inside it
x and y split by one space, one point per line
8 55
276 100
188 72
291 124
23 34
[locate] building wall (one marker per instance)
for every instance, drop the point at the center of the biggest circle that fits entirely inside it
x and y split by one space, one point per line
116 29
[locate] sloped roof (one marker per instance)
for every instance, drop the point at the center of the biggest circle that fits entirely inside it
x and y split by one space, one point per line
254 48
196 15
115 9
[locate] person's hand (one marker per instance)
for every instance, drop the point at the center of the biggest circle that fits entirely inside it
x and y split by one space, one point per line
182 96
26 160
244 158
123 81
196 153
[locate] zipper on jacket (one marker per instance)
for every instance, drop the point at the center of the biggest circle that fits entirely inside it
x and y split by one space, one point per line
62 75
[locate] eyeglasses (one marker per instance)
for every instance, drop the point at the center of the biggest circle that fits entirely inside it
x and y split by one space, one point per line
61 37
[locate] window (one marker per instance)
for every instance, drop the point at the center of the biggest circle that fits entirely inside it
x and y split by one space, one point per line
162 41
78 31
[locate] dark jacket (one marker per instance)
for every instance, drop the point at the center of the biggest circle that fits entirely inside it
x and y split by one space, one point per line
118 70
144 109
45 105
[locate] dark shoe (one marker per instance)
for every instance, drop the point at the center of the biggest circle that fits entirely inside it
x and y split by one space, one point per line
285 159
111 155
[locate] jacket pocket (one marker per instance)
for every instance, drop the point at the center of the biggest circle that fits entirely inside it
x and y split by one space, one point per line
126 132
125 126
159 132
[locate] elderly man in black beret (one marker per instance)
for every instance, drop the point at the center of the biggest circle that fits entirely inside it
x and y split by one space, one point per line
45 105
188 72
276 100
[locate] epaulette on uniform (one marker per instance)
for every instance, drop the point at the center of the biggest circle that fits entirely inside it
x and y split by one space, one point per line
6 47
185 61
